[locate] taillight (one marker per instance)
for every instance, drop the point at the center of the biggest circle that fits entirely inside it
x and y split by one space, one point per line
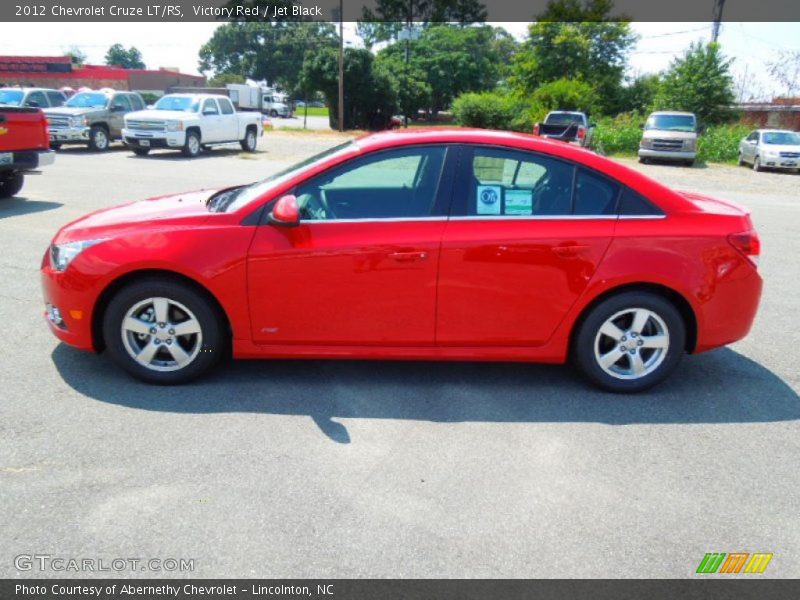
581 133
748 243
536 129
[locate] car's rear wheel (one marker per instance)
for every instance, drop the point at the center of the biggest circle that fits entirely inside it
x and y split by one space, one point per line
162 331
250 141
630 342
11 184
98 139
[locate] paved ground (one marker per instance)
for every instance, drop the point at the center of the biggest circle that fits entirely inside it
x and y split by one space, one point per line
349 469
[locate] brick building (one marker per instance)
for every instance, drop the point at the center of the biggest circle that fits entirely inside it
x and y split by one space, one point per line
58 71
781 113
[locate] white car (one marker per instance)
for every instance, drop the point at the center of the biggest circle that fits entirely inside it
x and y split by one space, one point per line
191 122
773 148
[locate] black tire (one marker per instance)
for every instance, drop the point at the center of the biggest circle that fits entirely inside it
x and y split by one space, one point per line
141 151
643 160
757 165
11 184
588 337
55 145
208 352
273 113
99 140
740 162
192 147
689 163
250 141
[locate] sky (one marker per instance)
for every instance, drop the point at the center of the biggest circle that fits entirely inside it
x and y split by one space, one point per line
752 45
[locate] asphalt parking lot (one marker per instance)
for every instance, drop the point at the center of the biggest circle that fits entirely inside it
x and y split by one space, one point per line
391 469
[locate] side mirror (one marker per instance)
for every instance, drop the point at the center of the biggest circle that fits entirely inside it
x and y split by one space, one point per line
285 212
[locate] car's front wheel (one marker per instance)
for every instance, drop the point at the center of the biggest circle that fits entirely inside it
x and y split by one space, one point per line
98 139
250 141
630 342
162 331
192 147
141 151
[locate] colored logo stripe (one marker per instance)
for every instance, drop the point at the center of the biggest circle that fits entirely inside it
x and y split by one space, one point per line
713 562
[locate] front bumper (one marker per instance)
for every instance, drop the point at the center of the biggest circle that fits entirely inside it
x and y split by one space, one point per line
26 160
74 303
779 162
69 134
154 139
668 154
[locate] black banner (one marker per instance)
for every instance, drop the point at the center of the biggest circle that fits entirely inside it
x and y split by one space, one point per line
389 589
355 10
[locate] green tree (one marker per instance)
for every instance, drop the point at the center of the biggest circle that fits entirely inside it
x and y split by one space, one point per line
452 60
223 79
370 90
574 40
638 95
77 55
699 82
273 52
131 58
567 94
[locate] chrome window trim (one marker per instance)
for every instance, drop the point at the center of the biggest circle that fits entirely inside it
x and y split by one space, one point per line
488 218
373 220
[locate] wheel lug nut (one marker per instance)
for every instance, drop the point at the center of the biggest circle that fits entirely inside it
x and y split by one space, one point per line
622 348
624 339
633 351
169 340
639 343
158 342
153 330
162 325
172 332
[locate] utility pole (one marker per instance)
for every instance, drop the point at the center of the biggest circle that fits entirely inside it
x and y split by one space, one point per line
341 65
718 6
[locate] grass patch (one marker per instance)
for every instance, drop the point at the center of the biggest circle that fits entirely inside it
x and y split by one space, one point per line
313 111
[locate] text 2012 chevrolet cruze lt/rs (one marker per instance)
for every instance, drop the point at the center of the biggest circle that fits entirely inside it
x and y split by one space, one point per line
440 245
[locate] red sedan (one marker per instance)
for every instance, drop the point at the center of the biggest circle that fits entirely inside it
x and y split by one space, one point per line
433 245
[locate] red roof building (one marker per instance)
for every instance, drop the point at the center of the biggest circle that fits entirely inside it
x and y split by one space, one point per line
58 71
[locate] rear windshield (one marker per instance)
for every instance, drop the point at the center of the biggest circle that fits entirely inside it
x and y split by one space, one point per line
88 100
11 97
671 122
181 103
563 119
781 138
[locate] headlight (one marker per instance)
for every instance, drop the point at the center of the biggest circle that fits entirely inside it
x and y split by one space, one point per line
62 254
77 121
174 125
771 153
689 144
646 143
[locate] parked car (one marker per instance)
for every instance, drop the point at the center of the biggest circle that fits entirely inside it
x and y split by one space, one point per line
23 146
670 136
566 126
31 97
441 244
93 118
772 148
190 122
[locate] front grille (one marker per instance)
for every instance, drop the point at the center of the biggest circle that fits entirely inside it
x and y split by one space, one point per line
147 125
666 144
790 154
58 122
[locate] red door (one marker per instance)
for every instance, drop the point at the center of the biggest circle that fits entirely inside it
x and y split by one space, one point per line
361 268
527 235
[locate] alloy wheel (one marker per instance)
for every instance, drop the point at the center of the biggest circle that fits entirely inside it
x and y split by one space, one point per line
632 343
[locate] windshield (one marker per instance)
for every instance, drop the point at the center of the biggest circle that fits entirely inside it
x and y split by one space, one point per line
564 119
181 103
88 100
671 122
233 200
782 138
11 97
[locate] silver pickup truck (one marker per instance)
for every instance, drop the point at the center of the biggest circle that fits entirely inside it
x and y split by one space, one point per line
189 123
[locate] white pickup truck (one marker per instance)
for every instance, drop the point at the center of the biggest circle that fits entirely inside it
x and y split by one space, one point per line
190 123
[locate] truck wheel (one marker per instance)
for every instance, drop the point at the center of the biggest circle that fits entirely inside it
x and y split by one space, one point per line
273 113
10 185
55 145
250 141
689 163
141 151
98 139
192 146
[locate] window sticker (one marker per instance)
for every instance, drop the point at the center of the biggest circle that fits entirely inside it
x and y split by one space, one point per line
489 199
519 202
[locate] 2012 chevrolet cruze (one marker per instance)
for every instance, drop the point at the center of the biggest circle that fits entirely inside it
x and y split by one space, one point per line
439 245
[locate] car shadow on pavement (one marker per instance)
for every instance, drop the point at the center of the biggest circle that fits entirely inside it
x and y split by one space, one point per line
177 155
19 205
716 387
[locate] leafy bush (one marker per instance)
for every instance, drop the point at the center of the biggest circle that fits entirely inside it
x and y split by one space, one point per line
567 94
618 135
721 143
496 110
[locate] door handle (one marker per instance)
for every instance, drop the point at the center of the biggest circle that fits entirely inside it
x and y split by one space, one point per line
569 251
408 256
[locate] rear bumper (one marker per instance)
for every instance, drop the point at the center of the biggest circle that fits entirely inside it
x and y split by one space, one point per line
26 160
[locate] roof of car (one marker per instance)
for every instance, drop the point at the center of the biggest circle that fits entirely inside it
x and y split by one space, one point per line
198 95
29 89
676 113
775 131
